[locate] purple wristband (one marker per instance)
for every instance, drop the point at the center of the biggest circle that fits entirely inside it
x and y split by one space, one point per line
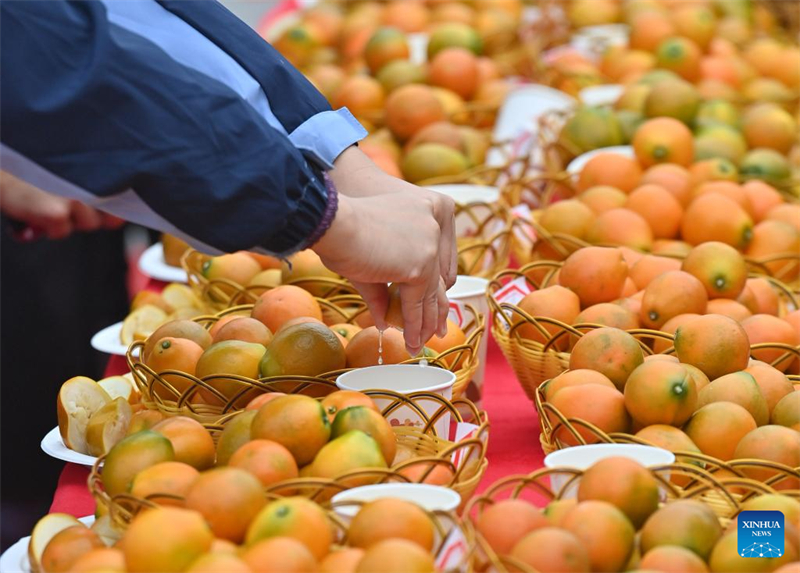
328 214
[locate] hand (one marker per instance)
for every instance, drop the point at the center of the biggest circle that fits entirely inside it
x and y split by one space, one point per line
394 237
356 175
55 217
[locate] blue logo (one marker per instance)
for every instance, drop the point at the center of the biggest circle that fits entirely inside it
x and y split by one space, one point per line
760 533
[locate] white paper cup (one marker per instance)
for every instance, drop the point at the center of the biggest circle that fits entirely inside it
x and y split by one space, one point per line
596 96
472 290
405 379
428 497
584 457
464 194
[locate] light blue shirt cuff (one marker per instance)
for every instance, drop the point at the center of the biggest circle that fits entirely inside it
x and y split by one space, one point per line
327 134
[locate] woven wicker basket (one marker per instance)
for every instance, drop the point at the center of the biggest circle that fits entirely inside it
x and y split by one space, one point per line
424 450
447 525
158 393
717 493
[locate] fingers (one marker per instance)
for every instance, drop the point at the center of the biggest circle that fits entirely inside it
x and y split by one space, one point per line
377 298
85 218
443 309
412 300
111 222
430 312
444 211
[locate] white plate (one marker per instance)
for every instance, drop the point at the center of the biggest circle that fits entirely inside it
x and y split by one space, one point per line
152 264
606 94
577 164
107 340
15 558
53 446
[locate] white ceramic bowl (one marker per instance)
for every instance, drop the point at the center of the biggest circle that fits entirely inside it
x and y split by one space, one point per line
405 379
584 457
429 497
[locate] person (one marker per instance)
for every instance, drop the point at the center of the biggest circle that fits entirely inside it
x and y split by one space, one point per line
178 116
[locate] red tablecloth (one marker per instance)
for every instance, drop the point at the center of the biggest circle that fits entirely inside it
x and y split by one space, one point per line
514 446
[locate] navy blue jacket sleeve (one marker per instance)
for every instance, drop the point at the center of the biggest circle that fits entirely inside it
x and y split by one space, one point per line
108 111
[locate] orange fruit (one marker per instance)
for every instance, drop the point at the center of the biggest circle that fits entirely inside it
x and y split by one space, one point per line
775 238
787 212
407 16
675 248
608 314
238 268
787 411
432 160
649 29
396 556
659 208
621 227
327 78
650 267
67 547
672 559
228 498
245 329
729 189
714 217
430 473
341 561
259 401
760 297
680 55
660 392
623 483
773 383
235 433
294 517
410 108
165 539
408 521
698 23
775 444
595 274
219 563
599 405
102 559
674 440
714 169
727 307
684 523
565 552
769 125
505 523
299 423
739 388
362 350
604 531
663 140
283 303
192 443
453 338
674 98
183 328
279 555
669 327
371 423
362 95
308 349
385 45
610 169
337 401
269 461
442 132
131 455
610 351
672 294
715 344
671 177
554 302
222 321
575 378
763 328
455 69
718 427
162 481
720 268
569 217
601 198
179 354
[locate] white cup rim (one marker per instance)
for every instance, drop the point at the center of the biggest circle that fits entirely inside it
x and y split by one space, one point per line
411 369
450 499
570 457
472 287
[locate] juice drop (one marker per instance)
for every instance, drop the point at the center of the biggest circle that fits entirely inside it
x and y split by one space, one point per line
423 362
380 347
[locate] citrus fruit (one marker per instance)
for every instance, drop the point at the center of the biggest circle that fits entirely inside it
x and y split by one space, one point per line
623 483
684 523
294 517
299 423
505 523
660 392
718 427
610 351
663 140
